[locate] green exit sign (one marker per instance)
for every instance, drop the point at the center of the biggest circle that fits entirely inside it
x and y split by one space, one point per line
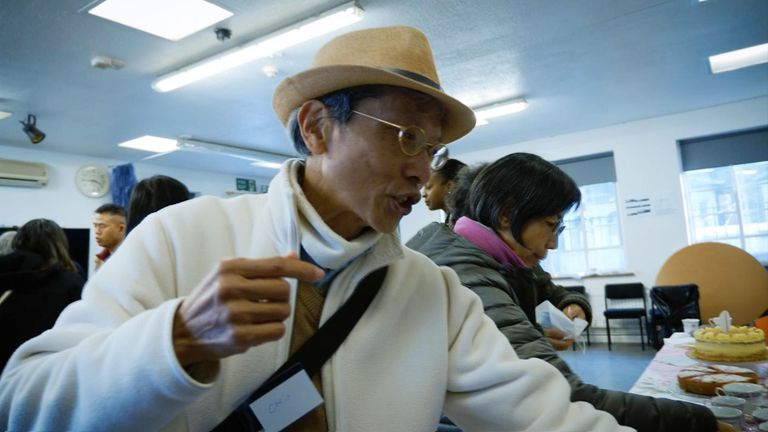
249 185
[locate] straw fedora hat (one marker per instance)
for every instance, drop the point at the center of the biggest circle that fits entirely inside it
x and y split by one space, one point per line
396 56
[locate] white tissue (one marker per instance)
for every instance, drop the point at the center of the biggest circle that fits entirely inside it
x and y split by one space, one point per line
548 316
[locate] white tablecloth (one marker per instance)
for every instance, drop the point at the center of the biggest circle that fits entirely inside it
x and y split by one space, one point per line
659 379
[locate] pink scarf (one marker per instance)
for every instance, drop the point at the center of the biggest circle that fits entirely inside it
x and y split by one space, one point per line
486 239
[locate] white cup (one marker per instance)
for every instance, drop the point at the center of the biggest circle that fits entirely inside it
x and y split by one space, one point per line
751 393
690 325
729 401
761 415
729 415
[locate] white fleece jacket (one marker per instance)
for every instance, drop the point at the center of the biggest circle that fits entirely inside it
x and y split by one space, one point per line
424 344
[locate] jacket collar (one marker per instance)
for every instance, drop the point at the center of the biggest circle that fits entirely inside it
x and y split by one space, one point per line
486 240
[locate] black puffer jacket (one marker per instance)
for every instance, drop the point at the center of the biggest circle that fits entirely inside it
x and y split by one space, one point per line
504 290
37 297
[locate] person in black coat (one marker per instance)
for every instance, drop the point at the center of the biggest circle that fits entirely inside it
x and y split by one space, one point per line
519 201
37 281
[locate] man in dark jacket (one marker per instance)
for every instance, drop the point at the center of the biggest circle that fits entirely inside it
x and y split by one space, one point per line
503 288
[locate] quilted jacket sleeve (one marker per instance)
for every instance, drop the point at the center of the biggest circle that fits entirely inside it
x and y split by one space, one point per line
559 296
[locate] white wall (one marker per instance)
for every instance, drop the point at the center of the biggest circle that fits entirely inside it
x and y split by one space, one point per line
60 200
647 165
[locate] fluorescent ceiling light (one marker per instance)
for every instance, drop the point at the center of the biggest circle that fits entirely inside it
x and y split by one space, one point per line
270 165
738 59
152 144
169 19
4 115
258 158
499 109
326 22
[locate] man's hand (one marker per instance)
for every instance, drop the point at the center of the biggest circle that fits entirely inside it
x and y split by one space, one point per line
574 311
555 337
725 427
242 303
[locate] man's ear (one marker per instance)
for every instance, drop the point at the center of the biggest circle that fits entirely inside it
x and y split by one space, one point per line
313 125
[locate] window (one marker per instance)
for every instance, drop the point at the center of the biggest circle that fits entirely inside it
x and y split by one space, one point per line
591 241
725 186
729 205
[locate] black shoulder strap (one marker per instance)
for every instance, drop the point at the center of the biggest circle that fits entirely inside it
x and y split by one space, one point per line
315 351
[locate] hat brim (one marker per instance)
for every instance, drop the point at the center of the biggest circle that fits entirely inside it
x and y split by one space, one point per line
317 82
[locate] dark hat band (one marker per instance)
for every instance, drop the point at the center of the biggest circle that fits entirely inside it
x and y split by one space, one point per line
416 77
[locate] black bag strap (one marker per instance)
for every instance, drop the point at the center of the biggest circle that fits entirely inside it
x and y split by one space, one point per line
314 352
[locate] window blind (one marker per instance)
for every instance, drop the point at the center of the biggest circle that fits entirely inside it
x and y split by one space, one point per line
592 169
725 150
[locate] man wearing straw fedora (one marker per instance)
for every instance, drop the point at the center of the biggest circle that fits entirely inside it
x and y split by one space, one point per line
322 320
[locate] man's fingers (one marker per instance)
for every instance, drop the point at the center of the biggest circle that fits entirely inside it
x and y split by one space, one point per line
256 334
246 312
276 267
257 290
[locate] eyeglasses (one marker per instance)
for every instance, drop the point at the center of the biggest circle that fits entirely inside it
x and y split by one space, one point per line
558 228
413 141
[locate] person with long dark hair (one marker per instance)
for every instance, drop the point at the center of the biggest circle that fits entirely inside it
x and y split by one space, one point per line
38 280
439 186
510 214
151 195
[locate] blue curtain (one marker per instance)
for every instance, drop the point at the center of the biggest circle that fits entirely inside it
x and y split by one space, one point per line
123 180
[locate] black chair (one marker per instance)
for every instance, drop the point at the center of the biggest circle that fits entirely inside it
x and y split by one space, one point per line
670 304
621 294
580 290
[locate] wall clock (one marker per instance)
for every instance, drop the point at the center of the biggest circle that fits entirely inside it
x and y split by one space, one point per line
92 180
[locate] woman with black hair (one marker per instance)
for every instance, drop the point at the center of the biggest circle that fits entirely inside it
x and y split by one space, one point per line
509 214
38 280
151 195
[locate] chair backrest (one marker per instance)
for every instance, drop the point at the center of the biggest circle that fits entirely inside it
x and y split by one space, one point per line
625 291
728 278
675 302
580 289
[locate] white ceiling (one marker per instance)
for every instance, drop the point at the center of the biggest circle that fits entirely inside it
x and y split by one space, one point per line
581 65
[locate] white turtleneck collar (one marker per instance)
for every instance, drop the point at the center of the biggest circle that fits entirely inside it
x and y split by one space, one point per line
326 247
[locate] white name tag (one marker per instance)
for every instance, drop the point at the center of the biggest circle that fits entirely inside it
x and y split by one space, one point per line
287 402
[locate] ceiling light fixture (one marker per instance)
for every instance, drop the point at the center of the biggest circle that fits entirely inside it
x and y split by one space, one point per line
151 143
30 128
331 20
738 59
499 109
258 158
169 19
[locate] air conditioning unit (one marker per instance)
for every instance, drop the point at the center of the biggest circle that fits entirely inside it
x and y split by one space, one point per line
20 173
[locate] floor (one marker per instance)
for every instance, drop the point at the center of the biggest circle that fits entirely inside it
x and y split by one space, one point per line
615 370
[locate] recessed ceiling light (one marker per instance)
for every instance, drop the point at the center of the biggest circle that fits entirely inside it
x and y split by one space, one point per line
482 114
4 115
152 144
738 59
169 19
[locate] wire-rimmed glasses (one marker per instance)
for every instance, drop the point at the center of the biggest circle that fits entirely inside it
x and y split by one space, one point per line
413 140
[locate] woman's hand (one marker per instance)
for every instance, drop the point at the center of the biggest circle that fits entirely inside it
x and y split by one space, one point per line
574 311
555 337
